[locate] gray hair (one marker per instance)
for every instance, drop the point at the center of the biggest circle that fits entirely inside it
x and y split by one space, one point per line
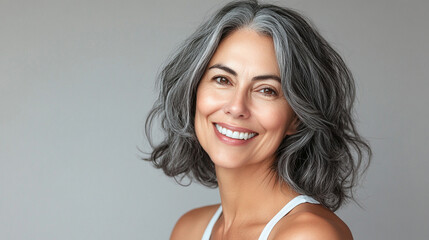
323 159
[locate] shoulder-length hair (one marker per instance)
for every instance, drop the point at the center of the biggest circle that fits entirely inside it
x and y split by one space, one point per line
322 159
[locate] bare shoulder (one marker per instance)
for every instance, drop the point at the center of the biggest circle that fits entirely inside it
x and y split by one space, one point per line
310 221
192 224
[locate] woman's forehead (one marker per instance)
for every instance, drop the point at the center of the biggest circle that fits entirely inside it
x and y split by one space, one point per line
245 50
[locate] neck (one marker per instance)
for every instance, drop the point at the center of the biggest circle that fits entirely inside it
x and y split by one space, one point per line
254 188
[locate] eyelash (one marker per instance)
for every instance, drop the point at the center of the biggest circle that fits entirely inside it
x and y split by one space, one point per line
224 81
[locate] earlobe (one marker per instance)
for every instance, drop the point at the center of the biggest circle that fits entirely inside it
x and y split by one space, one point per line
293 126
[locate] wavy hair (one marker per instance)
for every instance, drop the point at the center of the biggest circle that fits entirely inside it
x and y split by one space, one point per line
326 155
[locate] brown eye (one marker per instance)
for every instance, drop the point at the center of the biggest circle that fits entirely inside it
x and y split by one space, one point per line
268 92
222 81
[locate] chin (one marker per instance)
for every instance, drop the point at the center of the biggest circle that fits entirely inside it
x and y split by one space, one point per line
228 161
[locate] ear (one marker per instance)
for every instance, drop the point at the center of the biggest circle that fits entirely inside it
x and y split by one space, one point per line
293 126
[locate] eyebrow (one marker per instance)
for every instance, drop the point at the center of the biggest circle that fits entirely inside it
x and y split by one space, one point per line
261 77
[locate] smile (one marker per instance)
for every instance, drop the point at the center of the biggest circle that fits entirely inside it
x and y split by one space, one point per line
234 134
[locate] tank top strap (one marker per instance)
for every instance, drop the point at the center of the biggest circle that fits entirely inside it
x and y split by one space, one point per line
285 210
270 225
209 228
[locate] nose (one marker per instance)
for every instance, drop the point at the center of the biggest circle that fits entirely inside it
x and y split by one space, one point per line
236 106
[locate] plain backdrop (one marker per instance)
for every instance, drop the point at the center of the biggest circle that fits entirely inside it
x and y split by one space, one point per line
77 81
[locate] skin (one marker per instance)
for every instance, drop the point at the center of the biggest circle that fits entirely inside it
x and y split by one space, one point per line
241 88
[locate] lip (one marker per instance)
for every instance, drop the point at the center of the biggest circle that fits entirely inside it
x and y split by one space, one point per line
232 141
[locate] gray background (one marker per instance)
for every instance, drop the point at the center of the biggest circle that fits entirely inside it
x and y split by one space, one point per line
77 80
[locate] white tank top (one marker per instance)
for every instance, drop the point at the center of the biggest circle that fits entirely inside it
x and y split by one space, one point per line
267 230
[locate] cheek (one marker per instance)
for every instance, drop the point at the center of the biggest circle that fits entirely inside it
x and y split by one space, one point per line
210 99
275 117
207 104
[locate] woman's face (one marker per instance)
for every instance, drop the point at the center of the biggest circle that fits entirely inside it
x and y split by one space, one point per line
241 114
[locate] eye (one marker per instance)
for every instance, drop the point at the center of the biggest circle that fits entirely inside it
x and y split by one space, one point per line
268 92
222 80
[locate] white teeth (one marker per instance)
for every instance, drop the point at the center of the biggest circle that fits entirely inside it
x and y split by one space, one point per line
234 134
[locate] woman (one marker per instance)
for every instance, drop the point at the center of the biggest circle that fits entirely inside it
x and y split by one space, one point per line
257 103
